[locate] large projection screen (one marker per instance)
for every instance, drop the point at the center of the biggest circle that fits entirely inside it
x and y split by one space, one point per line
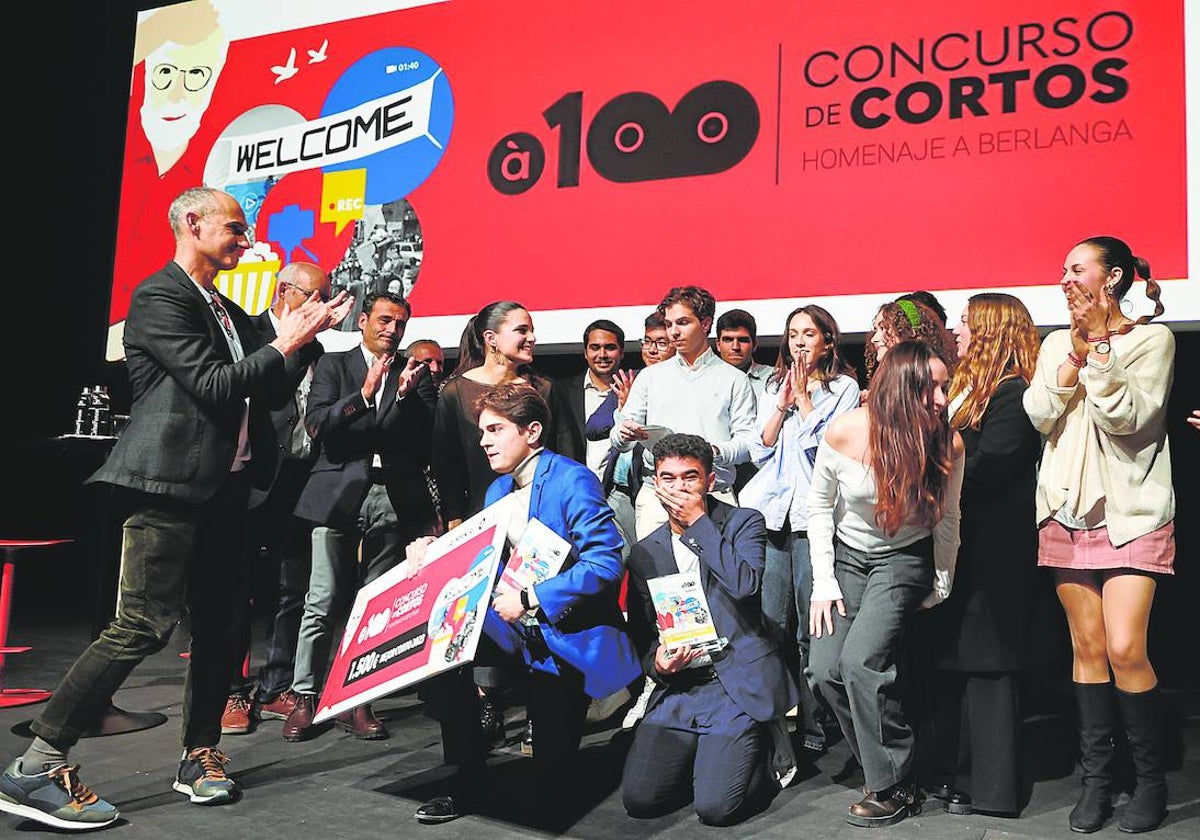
582 158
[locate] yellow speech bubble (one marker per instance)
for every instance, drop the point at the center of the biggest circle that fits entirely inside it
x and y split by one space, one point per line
342 197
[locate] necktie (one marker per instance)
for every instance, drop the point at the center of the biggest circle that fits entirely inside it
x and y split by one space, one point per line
222 316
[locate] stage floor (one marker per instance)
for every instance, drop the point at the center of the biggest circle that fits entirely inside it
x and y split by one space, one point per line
336 786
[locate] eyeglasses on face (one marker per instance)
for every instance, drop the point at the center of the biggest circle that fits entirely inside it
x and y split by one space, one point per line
656 343
286 285
194 78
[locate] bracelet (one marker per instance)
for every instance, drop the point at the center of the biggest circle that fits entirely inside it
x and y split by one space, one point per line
1076 361
783 409
1099 338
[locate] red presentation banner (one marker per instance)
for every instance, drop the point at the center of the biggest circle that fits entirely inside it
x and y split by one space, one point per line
403 631
578 156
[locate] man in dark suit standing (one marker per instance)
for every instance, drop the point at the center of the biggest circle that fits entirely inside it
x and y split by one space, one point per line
707 733
372 419
199 374
285 537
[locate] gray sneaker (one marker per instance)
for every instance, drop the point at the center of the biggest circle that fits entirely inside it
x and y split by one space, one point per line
202 779
56 798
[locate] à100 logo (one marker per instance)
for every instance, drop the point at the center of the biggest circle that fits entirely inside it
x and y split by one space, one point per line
634 137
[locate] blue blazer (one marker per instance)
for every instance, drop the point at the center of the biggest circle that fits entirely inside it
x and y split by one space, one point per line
731 544
577 609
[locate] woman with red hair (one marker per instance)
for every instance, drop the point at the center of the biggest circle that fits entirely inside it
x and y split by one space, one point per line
987 631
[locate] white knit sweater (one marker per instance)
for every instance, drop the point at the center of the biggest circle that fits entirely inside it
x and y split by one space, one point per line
1106 438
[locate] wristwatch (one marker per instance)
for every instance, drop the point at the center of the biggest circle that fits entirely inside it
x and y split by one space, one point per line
525 600
1102 348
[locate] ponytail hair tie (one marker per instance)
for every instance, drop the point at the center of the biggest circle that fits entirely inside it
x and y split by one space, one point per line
911 312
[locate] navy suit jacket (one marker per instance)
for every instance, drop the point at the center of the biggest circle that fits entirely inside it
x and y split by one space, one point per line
189 394
731 545
577 608
349 433
598 427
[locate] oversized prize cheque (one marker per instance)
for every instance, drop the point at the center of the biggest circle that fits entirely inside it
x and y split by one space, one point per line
403 631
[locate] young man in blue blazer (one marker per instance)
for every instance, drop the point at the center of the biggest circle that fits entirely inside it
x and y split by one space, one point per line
578 649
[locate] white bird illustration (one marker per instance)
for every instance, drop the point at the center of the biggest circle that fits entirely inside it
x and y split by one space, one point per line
285 71
315 56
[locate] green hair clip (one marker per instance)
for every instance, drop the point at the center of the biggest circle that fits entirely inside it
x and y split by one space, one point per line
911 312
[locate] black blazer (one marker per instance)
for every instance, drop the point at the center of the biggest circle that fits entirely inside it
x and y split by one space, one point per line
188 394
286 417
349 433
1000 615
571 390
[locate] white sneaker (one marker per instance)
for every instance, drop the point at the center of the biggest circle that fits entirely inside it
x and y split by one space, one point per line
602 708
638 710
782 755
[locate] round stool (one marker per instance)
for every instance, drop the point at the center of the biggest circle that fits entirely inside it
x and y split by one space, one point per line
10 697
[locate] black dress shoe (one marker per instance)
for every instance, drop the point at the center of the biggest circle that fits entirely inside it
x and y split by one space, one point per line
942 792
440 809
959 803
886 807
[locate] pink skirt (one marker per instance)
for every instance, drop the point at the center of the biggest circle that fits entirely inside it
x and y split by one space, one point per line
1065 548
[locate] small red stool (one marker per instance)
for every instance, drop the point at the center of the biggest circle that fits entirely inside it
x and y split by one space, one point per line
10 697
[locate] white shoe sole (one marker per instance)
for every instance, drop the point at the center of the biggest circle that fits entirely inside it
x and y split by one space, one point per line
214 799
46 819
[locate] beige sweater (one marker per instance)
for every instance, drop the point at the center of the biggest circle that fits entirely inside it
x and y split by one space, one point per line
1106 438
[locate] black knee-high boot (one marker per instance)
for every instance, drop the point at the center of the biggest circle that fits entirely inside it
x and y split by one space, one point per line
1097 722
1143 714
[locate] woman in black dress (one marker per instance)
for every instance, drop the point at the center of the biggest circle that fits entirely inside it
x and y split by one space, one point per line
980 637
496 349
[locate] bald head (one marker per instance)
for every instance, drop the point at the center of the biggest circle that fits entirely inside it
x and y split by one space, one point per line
295 282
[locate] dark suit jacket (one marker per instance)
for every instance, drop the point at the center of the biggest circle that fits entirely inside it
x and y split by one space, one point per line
188 394
577 607
598 427
572 391
285 418
349 433
731 544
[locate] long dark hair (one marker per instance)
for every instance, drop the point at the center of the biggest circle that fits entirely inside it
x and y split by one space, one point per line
911 448
1114 253
471 349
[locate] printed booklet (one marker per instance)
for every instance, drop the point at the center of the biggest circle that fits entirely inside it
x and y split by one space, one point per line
538 555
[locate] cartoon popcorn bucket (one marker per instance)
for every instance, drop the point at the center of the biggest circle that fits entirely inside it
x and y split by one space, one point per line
250 285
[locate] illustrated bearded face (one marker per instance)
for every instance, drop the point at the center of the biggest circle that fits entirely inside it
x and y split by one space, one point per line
180 79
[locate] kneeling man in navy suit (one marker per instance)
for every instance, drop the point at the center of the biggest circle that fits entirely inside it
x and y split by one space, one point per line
707 733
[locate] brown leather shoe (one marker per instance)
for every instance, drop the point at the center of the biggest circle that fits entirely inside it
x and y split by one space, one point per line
299 724
236 719
361 723
886 807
